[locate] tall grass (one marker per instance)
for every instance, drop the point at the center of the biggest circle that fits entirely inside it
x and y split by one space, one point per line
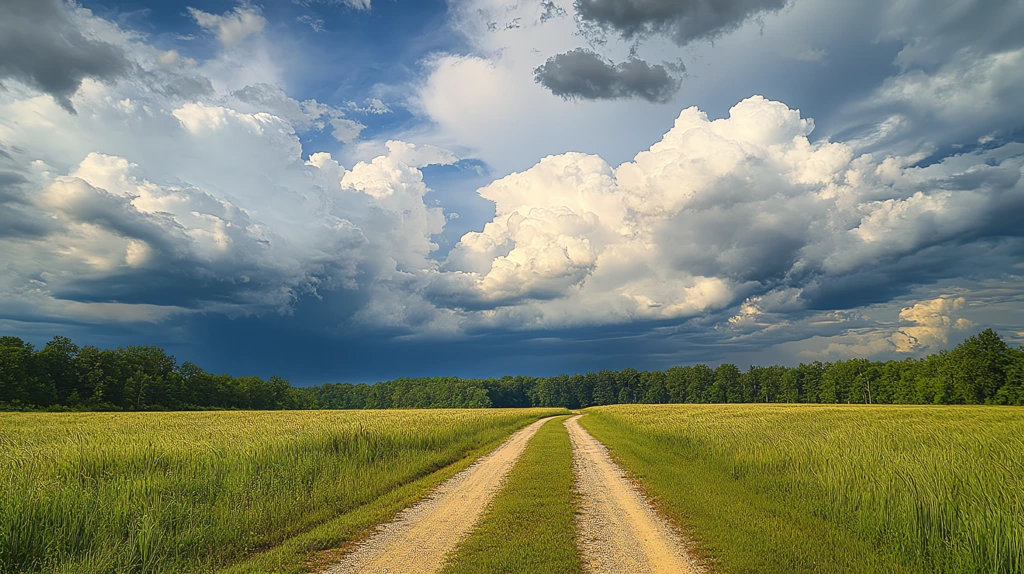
832 488
186 492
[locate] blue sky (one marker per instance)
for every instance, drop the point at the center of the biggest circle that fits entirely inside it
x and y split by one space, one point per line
334 190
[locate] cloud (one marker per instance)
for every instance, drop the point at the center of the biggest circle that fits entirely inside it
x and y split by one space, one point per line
969 91
582 74
201 201
354 4
743 208
419 156
189 189
370 106
683 21
550 10
928 326
959 70
232 27
932 322
303 116
317 24
42 47
346 130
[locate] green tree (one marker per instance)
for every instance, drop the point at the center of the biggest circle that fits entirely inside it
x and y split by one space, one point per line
978 368
654 382
726 388
17 377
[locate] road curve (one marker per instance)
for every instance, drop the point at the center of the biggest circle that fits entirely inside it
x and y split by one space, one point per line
420 537
618 531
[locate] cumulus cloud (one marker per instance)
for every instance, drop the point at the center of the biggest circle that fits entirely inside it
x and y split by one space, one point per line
684 21
582 74
346 130
232 27
931 323
157 202
303 116
41 46
419 156
926 326
200 202
743 208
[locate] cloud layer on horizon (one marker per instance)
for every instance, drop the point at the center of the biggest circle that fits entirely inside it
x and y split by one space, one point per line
186 188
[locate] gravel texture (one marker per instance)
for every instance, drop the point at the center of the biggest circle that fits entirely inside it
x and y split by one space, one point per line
618 530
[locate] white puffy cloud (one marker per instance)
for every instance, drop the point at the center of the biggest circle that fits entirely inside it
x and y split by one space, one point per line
718 212
232 27
419 156
158 201
925 326
184 187
931 323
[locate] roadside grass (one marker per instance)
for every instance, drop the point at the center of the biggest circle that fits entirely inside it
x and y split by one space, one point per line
808 488
529 527
201 491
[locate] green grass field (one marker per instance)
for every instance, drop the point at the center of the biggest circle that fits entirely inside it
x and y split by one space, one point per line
529 526
808 488
186 492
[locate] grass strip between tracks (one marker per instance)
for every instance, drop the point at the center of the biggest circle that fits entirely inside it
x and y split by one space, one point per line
529 527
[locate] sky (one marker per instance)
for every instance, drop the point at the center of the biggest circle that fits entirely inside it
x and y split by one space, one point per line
358 190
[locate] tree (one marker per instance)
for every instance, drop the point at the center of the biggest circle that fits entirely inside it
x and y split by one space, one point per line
726 388
57 368
629 383
605 392
700 379
1012 391
654 382
978 368
17 379
982 369
675 383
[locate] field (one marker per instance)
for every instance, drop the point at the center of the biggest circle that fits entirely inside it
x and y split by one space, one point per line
183 492
751 488
808 488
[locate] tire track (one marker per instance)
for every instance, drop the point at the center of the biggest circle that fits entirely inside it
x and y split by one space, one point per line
619 532
418 540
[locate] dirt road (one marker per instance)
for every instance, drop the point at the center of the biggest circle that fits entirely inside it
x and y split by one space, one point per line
420 537
618 531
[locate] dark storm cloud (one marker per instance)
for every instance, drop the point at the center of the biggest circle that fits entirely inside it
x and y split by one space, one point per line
582 74
41 47
681 20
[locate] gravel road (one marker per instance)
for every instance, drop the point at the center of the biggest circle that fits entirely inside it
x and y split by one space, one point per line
618 530
420 537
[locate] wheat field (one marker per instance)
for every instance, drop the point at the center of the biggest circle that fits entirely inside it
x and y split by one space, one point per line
185 492
842 488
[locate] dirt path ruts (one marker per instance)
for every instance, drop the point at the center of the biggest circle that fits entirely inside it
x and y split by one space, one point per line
619 532
420 537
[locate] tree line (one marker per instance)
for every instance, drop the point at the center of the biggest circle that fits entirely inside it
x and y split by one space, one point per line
981 370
